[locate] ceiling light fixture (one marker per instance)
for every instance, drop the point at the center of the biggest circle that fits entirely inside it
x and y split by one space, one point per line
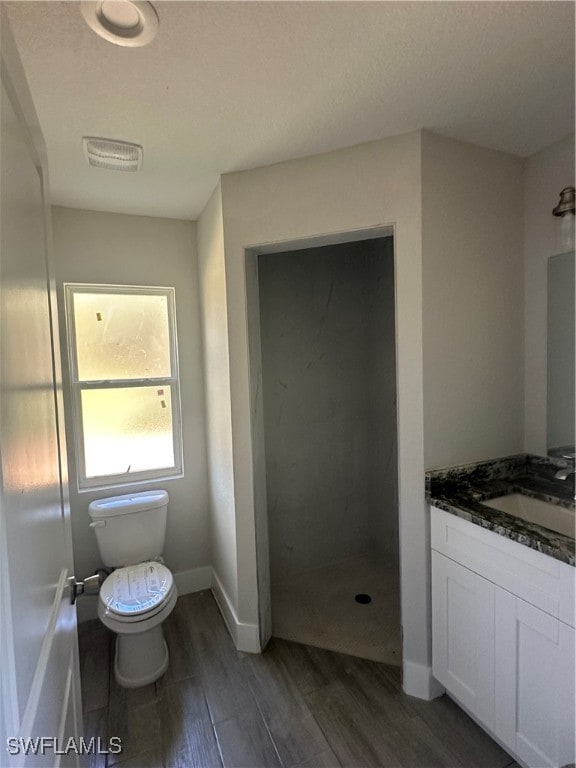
112 155
123 22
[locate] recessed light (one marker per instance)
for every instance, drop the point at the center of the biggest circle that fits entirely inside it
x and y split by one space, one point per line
119 14
123 22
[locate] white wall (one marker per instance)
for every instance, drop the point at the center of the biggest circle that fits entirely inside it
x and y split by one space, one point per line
212 280
472 302
327 339
465 401
370 185
545 175
95 247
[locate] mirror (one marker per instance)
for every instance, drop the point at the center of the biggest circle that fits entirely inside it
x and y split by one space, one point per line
561 347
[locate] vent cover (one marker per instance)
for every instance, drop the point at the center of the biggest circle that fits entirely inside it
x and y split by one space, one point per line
112 155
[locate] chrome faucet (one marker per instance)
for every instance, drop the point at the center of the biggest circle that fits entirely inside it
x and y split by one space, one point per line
564 474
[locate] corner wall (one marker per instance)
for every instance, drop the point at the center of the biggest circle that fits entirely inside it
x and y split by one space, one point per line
212 277
368 186
456 212
545 175
96 247
472 302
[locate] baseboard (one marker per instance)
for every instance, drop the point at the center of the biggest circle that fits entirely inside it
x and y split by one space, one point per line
246 637
193 580
417 680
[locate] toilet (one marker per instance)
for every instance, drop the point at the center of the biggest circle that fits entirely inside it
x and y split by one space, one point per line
140 592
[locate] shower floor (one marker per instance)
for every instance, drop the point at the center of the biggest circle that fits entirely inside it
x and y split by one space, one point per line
318 608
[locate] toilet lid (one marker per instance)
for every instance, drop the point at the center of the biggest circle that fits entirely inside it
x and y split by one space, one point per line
136 589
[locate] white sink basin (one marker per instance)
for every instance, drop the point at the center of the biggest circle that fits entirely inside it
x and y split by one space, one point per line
542 513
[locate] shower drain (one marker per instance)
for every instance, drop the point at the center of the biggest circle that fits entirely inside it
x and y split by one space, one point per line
363 599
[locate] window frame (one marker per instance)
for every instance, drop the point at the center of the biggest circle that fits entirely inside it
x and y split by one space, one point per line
77 387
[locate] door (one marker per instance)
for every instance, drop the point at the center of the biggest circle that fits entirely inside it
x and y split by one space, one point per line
534 683
463 635
39 683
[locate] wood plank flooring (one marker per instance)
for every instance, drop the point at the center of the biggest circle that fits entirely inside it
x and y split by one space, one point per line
293 706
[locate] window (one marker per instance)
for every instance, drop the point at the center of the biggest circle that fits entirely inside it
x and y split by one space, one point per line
124 380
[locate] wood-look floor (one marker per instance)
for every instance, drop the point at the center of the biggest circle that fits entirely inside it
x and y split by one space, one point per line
293 706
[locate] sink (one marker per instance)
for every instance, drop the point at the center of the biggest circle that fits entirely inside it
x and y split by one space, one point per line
542 513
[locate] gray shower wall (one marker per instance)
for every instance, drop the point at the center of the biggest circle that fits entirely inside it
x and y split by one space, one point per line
329 394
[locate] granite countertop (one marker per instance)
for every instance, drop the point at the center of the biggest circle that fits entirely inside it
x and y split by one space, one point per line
461 490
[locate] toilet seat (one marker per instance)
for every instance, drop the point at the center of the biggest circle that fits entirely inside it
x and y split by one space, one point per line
137 592
123 626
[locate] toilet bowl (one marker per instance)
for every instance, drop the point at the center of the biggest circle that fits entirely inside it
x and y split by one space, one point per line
140 592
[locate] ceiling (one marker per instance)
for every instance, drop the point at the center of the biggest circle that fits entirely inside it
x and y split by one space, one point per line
227 86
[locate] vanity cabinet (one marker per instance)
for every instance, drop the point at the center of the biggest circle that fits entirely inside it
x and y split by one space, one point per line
508 659
463 635
534 682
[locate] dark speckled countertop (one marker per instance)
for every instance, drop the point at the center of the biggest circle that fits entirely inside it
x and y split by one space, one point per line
461 490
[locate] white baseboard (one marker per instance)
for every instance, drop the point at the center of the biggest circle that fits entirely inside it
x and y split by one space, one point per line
245 636
193 580
417 680
248 638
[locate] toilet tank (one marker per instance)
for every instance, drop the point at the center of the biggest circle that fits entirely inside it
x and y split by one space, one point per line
131 528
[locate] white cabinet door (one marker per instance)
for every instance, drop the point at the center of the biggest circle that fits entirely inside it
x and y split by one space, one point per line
534 683
463 635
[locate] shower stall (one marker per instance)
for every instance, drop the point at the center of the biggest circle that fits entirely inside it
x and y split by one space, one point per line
327 333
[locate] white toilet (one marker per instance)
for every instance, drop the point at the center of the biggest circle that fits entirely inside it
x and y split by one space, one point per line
140 593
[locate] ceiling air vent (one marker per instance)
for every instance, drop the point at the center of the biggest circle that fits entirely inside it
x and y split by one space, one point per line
112 155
